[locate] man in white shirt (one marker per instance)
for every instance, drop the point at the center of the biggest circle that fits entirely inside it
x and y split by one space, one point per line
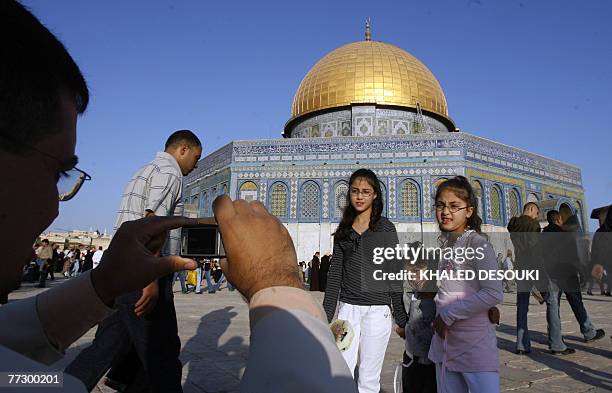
97 256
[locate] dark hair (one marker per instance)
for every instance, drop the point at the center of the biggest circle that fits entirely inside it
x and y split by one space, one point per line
46 241
572 224
552 215
607 224
349 214
35 70
183 136
461 187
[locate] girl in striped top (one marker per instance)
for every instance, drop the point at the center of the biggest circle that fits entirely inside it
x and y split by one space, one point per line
367 305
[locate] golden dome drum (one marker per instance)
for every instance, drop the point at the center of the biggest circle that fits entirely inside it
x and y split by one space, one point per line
369 72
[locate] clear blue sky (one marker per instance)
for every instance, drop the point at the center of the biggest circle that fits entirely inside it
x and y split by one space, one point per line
533 74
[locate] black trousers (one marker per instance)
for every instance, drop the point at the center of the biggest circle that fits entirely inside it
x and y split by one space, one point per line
418 378
153 337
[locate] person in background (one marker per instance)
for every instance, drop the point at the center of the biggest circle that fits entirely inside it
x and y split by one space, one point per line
500 260
601 253
54 261
208 271
575 256
76 263
508 265
314 272
221 277
418 372
323 271
302 266
182 276
97 257
45 256
87 260
524 233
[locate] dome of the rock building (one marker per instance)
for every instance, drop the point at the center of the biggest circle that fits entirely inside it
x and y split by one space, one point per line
369 72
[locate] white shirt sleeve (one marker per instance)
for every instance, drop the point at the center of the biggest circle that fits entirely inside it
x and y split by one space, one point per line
289 330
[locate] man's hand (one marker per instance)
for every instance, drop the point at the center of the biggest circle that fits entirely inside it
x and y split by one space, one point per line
597 272
400 332
440 327
148 300
259 250
494 315
129 263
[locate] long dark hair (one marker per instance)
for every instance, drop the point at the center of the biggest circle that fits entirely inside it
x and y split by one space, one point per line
461 187
349 214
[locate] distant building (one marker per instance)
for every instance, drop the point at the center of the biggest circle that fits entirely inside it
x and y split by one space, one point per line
77 237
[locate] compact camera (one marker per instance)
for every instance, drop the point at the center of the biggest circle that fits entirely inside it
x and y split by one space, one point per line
202 241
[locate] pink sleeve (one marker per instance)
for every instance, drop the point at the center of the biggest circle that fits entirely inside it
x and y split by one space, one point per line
489 294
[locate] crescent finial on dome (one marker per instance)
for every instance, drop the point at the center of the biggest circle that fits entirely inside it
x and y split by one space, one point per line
368 32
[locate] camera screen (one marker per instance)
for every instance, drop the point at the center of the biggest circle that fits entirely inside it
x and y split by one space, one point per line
202 241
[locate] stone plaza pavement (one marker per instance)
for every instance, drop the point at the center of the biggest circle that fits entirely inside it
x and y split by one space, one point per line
214 333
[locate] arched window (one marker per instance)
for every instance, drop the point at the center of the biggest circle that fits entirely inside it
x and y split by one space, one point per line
248 191
409 200
580 213
310 197
224 189
203 208
278 200
340 194
383 197
477 187
496 208
513 201
531 197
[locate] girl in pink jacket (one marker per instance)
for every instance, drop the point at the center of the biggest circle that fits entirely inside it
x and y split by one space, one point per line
464 347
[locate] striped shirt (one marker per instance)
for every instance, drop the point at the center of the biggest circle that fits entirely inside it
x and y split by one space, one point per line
351 271
157 187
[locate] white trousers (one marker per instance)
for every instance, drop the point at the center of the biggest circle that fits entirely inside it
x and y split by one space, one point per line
455 382
372 327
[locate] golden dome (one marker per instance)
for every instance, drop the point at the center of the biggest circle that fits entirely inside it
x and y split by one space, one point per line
369 72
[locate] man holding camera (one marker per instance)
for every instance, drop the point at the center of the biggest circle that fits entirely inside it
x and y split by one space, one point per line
42 91
146 319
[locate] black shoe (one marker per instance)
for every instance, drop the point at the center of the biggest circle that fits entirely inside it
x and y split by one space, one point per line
590 293
521 352
598 334
567 351
198 292
211 291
